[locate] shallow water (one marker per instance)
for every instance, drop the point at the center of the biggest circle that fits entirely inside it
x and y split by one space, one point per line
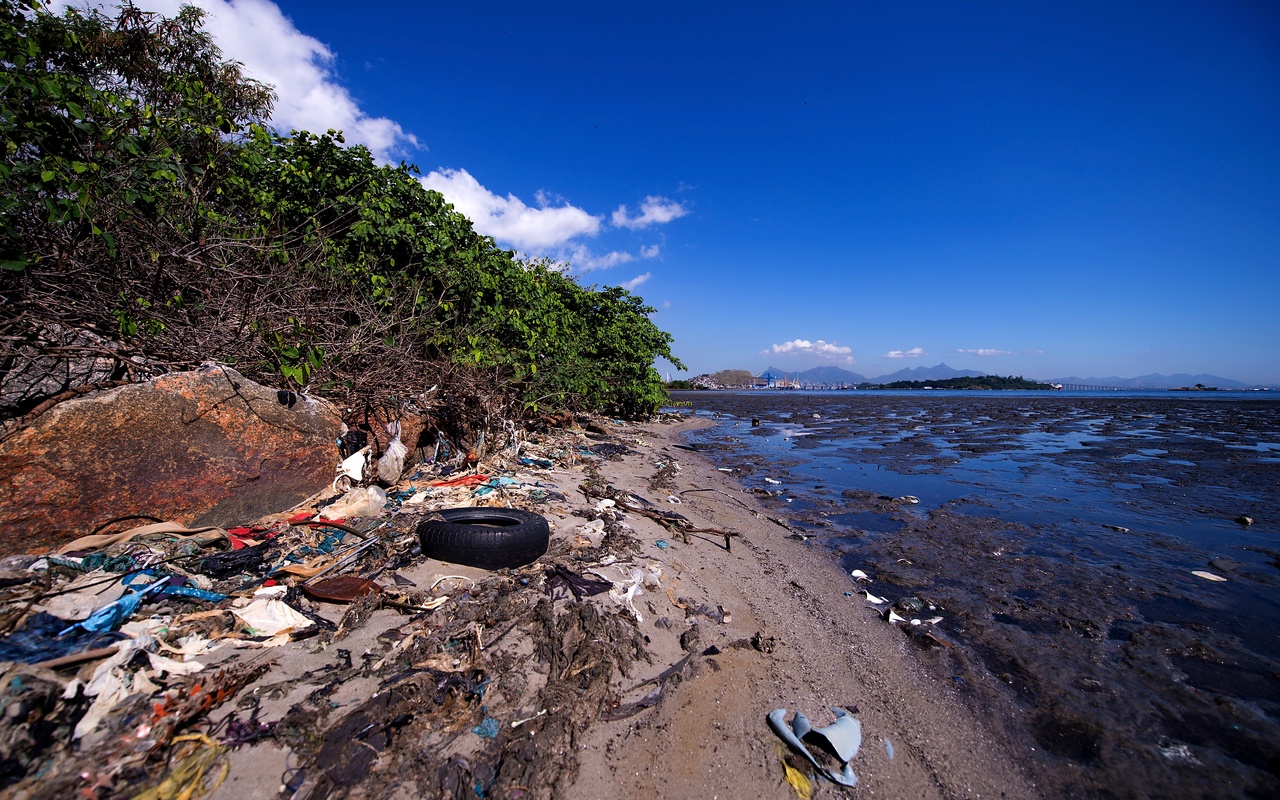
1056 535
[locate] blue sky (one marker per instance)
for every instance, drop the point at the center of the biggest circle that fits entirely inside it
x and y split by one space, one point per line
1045 189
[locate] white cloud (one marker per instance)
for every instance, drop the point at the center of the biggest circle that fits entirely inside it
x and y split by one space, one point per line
914 352
649 251
666 304
638 280
986 351
582 259
809 348
653 211
301 68
509 220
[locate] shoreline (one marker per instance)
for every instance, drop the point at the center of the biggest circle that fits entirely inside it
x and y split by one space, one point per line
710 737
512 687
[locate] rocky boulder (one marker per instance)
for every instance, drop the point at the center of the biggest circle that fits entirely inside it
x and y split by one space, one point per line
208 447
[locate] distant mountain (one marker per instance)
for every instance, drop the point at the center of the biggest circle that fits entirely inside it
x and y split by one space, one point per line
1156 381
830 375
817 375
937 373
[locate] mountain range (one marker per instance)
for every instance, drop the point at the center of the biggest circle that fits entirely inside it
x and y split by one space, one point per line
836 375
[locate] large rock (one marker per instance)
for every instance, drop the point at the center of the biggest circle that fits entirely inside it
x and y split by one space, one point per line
208 447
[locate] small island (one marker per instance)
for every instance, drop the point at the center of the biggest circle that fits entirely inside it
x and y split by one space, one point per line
980 382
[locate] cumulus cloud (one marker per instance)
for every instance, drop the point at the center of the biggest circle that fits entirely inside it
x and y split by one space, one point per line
509 219
638 280
810 348
649 251
914 352
582 259
985 351
653 211
301 68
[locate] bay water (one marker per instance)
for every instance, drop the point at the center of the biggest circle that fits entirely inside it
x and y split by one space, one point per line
1098 570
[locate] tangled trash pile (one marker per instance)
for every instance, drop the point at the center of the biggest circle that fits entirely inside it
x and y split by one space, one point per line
139 662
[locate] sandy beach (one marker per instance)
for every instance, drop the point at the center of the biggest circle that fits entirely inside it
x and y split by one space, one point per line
513 686
708 738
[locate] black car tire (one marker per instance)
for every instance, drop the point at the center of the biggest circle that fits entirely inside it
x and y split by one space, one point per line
489 538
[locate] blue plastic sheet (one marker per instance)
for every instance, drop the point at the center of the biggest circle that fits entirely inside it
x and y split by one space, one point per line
38 640
113 615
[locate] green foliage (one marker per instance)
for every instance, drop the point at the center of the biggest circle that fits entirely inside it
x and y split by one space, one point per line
144 198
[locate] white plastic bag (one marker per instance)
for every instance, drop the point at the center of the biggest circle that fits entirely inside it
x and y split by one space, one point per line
367 501
391 465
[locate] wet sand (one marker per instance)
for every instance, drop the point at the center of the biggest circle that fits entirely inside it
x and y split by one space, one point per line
708 738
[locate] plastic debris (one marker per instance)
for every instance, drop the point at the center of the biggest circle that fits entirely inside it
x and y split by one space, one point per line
772 482
593 532
798 781
268 615
662 544
113 614
909 499
488 729
366 501
1116 528
842 737
391 465
871 598
1208 576
352 467
859 575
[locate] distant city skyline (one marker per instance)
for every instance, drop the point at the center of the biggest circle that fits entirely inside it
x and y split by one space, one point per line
1040 189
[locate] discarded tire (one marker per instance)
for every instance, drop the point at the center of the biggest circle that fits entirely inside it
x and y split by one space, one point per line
489 538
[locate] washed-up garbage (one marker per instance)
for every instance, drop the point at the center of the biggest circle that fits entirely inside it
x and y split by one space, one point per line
166 530
269 615
1208 576
560 579
38 640
842 738
391 465
113 614
490 485
352 468
112 681
593 532
342 589
367 501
